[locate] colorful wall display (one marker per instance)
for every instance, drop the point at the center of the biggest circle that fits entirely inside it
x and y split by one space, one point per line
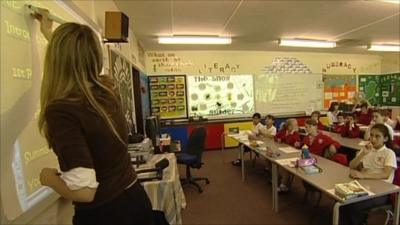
381 89
339 88
370 87
168 96
220 95
390 88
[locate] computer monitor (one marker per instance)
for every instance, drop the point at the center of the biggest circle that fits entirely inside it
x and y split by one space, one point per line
153 130
346 108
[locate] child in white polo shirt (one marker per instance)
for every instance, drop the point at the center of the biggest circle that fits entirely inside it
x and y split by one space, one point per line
375 161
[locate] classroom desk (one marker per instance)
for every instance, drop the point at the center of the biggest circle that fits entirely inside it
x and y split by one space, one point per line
332 173
353 143
167 194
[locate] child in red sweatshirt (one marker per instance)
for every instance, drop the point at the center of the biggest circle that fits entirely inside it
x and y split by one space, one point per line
289 134
319 143
337 128
350 130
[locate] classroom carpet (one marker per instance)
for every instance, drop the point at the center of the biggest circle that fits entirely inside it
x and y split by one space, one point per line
228 200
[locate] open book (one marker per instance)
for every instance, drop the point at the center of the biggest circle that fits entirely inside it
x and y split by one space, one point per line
350 190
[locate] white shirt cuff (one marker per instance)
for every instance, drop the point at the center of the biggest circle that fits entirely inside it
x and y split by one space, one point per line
78 178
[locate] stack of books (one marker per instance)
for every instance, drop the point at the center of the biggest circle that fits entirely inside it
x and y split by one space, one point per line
350 190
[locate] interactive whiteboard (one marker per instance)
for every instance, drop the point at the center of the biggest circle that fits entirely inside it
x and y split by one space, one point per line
220 95
24 151
288 93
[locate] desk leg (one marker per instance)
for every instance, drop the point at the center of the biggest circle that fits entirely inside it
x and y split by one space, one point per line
241 149
396 210
275 199
335 218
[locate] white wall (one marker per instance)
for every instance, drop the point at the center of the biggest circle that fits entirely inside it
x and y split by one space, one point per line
253 62
391 63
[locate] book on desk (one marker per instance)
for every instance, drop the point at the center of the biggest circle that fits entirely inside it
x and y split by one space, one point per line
352 189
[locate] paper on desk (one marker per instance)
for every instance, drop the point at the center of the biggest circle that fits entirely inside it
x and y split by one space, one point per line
288 149
246 142
286 162
332 191
363 143
259 142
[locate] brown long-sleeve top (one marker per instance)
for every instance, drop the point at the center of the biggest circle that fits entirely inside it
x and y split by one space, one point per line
81 138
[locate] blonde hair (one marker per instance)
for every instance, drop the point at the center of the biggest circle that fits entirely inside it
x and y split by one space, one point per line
72 65
293 122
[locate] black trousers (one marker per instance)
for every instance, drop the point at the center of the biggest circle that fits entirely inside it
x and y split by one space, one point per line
357 213
132 206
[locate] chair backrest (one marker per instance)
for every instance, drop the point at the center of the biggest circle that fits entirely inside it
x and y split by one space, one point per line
196 141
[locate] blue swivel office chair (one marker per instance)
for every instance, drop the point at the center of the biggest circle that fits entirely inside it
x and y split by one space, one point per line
192 157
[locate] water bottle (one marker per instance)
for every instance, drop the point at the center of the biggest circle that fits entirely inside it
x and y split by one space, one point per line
305 152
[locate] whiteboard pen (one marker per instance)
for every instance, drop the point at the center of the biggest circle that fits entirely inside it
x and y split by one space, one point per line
35 9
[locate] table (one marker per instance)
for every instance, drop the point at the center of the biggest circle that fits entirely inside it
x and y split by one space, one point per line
332 174
353 143
167 194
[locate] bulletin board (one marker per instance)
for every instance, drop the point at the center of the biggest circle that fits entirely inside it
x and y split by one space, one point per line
370 87
168 96
381 89
390 89
339 88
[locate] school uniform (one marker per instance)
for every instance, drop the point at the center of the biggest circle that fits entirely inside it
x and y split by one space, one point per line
364 118
332 117
391 123
397 127
352 131
318 144
287 137
337 128
374 162
320 126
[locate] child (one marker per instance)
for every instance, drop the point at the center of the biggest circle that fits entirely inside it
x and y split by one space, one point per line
364 116
289 134
315 115
255 132
333 113
397 127
338 127
387 120
319 143
350 130
375 161
269 130
378 118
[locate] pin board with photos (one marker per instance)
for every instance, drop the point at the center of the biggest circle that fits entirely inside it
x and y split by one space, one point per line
380 89
168 96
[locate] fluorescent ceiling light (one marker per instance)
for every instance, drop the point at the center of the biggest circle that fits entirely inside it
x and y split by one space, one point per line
190 40
384 48
392 1
307 43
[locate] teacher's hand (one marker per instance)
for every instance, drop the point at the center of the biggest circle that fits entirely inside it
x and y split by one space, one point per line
46 24
48 175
